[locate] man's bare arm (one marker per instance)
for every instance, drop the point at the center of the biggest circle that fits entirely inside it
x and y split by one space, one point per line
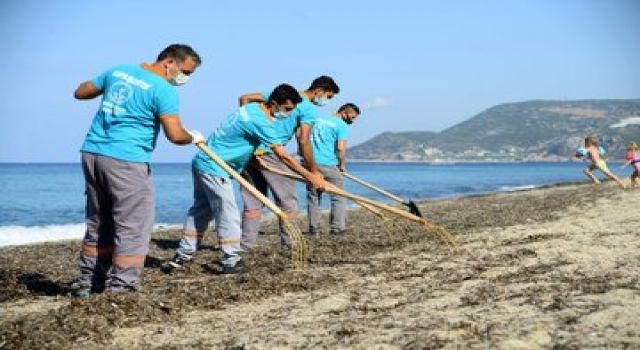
341 150
304 147
174 131
87 91
317 181
252 97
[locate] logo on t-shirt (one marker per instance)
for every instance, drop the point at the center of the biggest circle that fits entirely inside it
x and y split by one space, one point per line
118 94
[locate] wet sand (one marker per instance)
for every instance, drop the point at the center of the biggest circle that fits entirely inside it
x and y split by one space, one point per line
555 267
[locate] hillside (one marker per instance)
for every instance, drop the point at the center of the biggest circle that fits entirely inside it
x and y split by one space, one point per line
525 130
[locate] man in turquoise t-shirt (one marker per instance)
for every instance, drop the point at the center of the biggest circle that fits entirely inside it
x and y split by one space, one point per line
234 141
329 142
321 90
136 101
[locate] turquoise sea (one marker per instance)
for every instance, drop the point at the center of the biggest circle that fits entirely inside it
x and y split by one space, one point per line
43 202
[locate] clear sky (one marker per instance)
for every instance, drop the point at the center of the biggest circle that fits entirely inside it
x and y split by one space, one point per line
410 65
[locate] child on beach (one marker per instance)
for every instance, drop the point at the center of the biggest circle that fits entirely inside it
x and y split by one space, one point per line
632 157
593 152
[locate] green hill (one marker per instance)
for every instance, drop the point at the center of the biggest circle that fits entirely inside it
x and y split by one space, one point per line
525 130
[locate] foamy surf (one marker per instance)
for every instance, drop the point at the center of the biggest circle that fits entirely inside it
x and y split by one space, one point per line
517 188
20 235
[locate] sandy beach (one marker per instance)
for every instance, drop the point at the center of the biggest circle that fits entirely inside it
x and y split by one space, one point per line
550 268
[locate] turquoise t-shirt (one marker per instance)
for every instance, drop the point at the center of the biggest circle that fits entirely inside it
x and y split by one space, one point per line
236 139
326 130
304 113
126 125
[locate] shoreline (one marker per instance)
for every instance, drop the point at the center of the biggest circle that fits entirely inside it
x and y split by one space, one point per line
268 216
442 161
471 161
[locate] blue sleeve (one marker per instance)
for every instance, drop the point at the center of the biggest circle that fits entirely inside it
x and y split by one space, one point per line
265 95
166 100
307 112
343 132
101 80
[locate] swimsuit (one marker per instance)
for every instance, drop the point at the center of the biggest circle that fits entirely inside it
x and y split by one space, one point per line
601 165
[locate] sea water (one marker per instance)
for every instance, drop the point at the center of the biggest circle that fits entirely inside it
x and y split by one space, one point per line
45 202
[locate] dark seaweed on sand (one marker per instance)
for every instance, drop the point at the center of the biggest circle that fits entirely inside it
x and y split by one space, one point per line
46 270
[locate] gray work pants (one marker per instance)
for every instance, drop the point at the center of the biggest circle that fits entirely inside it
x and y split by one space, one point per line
338 204
119 216
213 198
284 193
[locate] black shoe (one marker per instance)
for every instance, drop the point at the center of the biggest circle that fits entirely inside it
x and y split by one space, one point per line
173 264
311 232
82 293
239 267
341 232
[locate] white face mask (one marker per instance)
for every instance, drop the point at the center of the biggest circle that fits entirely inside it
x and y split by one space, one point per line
320 101
178 79
280 115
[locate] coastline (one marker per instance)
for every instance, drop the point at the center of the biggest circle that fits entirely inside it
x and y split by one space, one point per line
554 266
75 231
472 161
358 160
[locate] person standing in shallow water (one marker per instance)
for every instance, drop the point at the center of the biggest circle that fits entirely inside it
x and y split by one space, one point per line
136 101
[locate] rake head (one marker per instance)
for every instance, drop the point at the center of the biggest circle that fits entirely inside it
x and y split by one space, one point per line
413 208
299 248
444 234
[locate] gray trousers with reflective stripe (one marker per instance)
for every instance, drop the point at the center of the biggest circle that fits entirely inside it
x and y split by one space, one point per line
119 216
338 204
213 198
284 193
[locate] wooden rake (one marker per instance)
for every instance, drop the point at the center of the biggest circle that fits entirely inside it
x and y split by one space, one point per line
440 231
299 248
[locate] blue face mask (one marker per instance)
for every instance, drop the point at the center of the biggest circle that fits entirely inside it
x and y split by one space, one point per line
280 115
320 101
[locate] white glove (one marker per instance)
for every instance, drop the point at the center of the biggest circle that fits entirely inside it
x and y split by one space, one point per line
196 136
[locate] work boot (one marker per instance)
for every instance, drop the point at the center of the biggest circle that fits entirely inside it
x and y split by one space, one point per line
176 263
239 267
82 293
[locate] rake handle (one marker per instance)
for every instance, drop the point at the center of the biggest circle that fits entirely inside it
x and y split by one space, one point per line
244 183
365 200
328 189
373 187
358 199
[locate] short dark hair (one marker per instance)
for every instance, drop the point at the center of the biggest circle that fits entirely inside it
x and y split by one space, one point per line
283 93
180 52
325 83
347 106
